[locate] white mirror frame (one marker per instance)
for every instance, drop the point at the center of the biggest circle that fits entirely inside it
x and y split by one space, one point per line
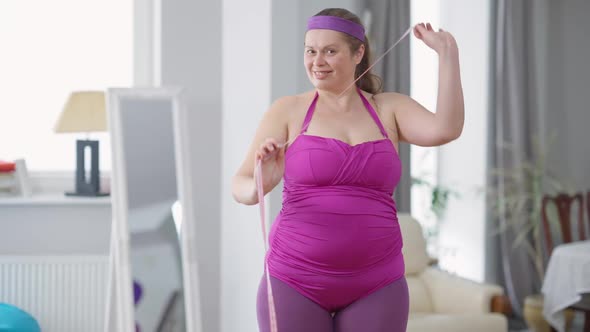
121 281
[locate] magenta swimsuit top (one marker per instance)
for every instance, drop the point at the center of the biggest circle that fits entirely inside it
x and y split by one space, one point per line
337 236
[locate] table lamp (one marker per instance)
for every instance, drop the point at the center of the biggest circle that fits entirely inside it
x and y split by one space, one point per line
85 112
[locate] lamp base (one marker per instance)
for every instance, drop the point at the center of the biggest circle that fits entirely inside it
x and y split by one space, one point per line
87 186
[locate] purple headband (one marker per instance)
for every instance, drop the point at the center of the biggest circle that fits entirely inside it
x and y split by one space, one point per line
337 24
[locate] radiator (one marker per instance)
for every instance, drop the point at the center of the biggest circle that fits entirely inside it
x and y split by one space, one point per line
63 293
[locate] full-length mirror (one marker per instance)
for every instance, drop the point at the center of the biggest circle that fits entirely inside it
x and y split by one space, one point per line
148 211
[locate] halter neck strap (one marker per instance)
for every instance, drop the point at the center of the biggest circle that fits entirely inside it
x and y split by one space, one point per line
368 106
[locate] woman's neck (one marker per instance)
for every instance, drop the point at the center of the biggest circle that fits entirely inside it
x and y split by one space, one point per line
338 101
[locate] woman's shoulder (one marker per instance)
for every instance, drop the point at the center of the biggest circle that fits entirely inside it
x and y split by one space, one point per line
388 98
390 101
293 100
286 104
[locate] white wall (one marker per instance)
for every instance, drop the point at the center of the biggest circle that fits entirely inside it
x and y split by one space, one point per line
144 28
53 226
462 163
246 63
186 50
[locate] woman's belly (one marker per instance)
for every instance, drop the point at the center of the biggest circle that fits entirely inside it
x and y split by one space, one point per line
336 234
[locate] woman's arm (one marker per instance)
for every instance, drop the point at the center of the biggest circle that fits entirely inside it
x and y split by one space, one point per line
450 109
416 125
271 131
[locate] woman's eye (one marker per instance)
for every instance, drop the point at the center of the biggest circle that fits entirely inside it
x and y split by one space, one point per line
331 51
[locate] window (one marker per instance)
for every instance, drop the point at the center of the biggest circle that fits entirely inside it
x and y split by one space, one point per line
462 232
50 48
424 88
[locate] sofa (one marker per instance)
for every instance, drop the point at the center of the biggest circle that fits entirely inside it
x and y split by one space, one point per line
440 301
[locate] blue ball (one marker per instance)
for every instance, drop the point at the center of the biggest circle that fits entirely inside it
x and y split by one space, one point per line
13 319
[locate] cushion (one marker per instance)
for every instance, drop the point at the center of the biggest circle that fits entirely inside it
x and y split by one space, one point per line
419 295
414 250
420 322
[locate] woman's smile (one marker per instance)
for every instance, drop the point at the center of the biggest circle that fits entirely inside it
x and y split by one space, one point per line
321 74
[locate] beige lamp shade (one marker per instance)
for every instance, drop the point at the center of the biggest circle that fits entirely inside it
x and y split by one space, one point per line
84 112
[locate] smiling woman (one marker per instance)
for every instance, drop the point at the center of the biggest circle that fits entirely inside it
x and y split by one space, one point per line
334 260
49 57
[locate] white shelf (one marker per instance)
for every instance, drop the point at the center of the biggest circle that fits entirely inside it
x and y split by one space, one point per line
54 199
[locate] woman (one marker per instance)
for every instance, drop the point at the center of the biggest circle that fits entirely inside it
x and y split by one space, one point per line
335 258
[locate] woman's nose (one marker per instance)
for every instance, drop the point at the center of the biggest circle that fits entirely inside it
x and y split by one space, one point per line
318 59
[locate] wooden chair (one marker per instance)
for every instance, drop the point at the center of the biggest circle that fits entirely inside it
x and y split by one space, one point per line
564 203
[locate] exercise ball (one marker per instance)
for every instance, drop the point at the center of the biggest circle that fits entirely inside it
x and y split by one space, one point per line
13 319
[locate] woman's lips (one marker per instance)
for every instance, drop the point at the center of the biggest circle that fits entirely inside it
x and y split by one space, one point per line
321 74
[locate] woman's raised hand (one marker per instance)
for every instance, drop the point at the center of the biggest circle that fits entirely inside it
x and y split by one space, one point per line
439 40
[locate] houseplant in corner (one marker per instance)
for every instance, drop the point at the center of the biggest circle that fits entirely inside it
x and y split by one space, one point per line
439 196
515 199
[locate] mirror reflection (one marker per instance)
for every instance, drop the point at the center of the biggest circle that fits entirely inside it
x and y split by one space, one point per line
154 228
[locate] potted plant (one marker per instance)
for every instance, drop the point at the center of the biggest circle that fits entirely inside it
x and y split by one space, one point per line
439 196
515 198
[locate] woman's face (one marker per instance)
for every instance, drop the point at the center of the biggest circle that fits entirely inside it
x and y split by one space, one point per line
328 60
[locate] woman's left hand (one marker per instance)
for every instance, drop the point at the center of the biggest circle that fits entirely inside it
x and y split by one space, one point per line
439 40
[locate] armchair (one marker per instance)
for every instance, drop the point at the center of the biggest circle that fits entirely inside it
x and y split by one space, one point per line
440 301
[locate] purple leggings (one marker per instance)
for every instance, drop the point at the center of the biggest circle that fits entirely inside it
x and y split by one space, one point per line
385 310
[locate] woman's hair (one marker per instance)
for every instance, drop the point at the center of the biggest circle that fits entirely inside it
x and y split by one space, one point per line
369 82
